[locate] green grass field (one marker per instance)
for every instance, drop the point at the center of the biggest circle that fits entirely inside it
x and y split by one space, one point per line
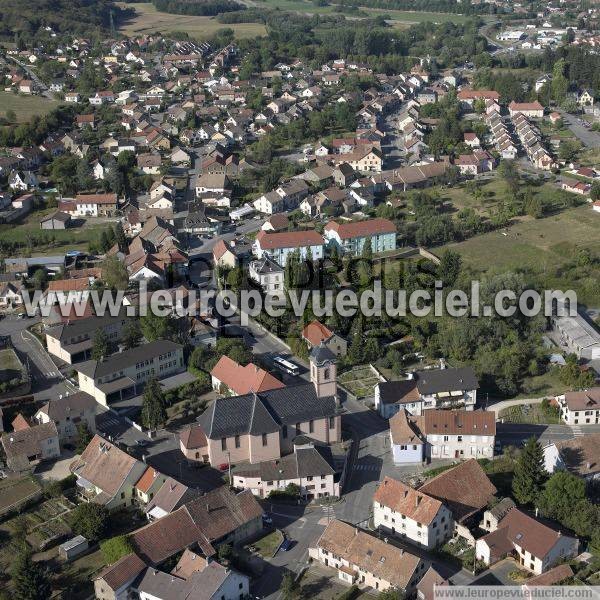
25 107
532 242
148 20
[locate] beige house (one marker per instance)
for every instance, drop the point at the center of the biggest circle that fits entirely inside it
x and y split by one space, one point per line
124 373
149 484
310 467
404 512
68 413
262 426
536 546
106 475
30 445
367 561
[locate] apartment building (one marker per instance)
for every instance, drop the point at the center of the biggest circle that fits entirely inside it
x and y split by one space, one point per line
123 374
267 274
73 341
405 512
278 246
366 561
261 426
424 390
580 408
350 238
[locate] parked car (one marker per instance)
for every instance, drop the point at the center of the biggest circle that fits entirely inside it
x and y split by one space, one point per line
286 545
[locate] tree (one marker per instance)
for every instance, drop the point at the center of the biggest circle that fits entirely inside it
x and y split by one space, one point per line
289 587
225 552
559 84
90 520
101 347
120 238
84 437
560 495
156 327
114 273
449 267
530 474
30 579
132 334
595 191
40 278
154 413
115 548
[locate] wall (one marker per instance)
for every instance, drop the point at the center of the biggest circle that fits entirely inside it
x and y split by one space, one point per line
470 447
409 456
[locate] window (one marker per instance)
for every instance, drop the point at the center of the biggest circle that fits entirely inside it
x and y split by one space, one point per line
265 441
460 438
331 422
445 438
311 426
326 373
223 443
237 441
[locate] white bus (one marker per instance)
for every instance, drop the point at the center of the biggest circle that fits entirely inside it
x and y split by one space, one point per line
286 365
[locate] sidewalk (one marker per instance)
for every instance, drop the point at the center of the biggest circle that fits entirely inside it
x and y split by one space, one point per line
507 403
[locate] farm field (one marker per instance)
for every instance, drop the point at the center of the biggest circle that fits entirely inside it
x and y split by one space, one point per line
401 16
148 20
25 107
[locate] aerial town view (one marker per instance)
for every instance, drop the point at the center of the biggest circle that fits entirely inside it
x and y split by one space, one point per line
299 299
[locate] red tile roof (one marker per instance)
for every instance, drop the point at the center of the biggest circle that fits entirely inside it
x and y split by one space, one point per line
474 94
19 423
146 480
124 570
465 488
289 239
459 422
315 333
193 437
366 228
243 380
96 199
405 500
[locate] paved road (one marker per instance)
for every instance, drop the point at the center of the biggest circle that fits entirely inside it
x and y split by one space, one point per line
588 138
40 84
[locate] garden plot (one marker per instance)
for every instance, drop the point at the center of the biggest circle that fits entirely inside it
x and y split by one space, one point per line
360 381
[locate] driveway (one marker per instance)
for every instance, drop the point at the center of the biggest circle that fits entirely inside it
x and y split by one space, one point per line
57 470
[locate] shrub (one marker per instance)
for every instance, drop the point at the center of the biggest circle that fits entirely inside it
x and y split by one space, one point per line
115 548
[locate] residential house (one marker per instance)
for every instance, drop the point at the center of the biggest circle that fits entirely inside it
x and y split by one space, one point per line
442 434
69 413
122 374
580 408
367 561
10 295
266 423
579 455
410 514
316 334
310 467
26 447
96 205
267 274
465 490
278 246
68 291
106 475
537 546
169 497
149 484
230 377
533 110
436 388
56 220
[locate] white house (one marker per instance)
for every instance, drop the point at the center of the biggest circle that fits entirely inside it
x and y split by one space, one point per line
407 513
580 408
351 237
267 274
536 546
580 455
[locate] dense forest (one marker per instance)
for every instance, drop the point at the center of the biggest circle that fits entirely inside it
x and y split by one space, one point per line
445 6
79 17
208 8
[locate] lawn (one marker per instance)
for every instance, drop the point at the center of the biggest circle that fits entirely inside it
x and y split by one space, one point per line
148 20
9 364
539 243
49 241
16 491
267 545
25 107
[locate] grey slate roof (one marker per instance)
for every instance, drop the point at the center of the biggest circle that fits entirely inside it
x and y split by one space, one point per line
266 412
444 380
122 360
84 327
322 354
304 462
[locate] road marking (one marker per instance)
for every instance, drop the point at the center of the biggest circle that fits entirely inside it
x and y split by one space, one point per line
577 431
